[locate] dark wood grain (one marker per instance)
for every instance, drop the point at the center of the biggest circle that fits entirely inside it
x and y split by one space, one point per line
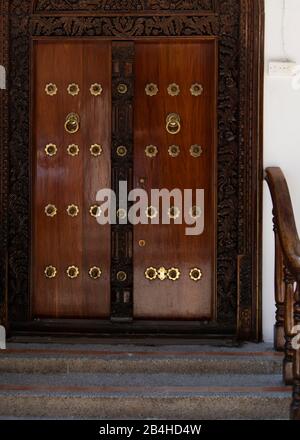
185 63
63 180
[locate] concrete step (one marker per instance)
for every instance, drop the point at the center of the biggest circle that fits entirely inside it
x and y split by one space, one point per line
250 359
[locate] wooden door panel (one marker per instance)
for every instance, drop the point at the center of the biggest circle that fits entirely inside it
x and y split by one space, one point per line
63 180
184 63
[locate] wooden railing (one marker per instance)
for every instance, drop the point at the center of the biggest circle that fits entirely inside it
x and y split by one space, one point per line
287 283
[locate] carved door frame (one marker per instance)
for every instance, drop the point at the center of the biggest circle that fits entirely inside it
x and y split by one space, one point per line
239 25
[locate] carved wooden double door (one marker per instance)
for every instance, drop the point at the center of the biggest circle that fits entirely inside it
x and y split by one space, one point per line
141 112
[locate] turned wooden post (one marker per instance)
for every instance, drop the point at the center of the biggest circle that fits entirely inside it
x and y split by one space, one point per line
279 340
289 326
295 407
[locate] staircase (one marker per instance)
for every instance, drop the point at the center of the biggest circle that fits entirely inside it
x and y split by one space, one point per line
153 381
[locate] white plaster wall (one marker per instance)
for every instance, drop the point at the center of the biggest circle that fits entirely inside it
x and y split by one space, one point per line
282 131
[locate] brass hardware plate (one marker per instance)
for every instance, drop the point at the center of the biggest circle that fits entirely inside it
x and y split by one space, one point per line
51 89
50 272
95 273
151 89
122 151
73 210
95 211
195 274
122 276
96 150
51 211
72 123
73 89
151 212
173 123
51 150
122 88
73 272
73 150
174 274
196 89
174 150
162 273
151 151
151 273
196 150
174 89
195 212
96 89
174 212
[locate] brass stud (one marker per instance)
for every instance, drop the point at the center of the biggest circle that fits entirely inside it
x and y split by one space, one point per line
96 150
73 89
173 89
51 89
174 274
196 89
73 210
122 151
151 151
122 88
196 150
195 212
151 212
151 89
142 243
174 151
50 211
195 274
121 213
95 211
96 89
162 273
73 272
174 212
121 276
50 272
151 273
95 272
51 150
73 150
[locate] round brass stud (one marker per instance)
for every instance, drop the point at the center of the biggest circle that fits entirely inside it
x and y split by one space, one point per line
174 151
73 150
195 274
73 272
96 150
122 151
151 89
196 89
151 273
174 274
142 243
51 150
73 89
122 88
121 213
196 150
50 211
96 89
73 210
95 272
95 211
151 212
162 273
151 151
174 89
51 89
195 212
174 212
122 276
50 272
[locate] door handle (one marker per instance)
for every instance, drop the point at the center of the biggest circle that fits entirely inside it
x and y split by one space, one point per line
72 123
173 123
